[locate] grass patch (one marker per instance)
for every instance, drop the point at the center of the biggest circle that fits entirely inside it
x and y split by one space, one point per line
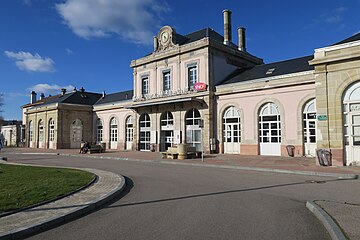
22 186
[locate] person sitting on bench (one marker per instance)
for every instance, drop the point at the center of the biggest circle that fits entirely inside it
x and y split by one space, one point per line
85 148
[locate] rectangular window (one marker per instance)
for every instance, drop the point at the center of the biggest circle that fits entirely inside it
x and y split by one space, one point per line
192 77
145 85
166 81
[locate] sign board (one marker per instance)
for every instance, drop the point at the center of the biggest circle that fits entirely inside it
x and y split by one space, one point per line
177 136
322 117
199 86
153 137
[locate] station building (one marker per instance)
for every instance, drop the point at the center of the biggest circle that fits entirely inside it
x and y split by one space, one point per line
205 90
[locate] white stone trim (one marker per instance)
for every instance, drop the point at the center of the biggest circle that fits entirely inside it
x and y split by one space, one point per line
338 47
268 79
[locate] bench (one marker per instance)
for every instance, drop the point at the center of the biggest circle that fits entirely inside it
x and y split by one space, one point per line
96 149
171 153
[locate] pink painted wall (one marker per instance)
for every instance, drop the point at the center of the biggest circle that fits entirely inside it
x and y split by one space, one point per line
121 115
289 100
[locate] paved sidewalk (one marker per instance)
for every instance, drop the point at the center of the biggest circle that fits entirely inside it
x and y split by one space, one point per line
344 215
300 165
33 220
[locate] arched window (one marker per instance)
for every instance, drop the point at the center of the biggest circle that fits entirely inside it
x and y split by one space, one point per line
193 131
31 131
113 133
99 131
145 133
309 127
145 120
113 130
51 130
270 130
351 118
269 124
232 130
40 133
129 132
167 119
167 131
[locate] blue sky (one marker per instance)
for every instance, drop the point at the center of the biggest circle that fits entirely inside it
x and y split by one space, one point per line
46 45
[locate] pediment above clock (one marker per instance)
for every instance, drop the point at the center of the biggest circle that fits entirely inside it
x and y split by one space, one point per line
166 38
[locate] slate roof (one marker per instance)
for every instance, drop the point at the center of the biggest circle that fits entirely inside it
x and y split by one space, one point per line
116 97
353 38
200 34
78 97
260 71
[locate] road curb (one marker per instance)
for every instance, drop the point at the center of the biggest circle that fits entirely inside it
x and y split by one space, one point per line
64 218
344 176
333 229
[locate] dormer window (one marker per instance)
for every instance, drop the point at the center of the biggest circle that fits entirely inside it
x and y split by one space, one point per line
270 71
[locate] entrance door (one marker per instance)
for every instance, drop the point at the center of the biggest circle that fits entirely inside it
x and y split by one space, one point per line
76 130
167 138
145 132
193 130
352 124
270 130
129 133
51 134
31 134
232 131
167 133
309 124
113 133
41 134
232 144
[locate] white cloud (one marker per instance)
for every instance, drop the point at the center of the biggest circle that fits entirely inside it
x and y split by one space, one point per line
132 20
31 63
53 89
69 51
334 16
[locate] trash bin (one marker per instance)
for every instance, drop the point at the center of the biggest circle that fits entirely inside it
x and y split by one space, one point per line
290 150
324 157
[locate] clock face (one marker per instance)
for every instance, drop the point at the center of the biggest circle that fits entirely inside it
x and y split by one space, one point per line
165 37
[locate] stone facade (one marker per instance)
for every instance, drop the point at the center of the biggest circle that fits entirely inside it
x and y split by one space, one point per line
204 90
336 68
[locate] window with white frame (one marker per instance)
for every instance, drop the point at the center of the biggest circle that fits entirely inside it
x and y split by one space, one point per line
129 129
113 130
166 80
309 122
51 130
231 125
99 130
145 133
269 124
167 119
31 131
193 131
41 130
192 76
145 85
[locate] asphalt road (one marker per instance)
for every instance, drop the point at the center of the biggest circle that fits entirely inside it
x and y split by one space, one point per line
181 202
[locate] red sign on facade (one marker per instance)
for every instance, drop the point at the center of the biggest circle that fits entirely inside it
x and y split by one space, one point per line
199 86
